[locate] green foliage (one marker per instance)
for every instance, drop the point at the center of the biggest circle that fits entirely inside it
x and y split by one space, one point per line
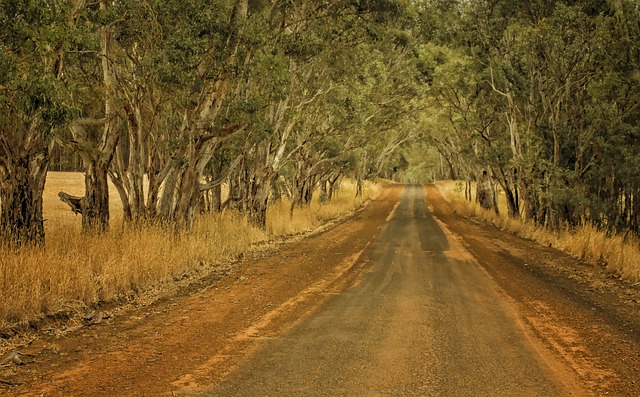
542 94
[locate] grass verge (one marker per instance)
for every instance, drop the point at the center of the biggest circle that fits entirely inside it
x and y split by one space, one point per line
74 272
619 253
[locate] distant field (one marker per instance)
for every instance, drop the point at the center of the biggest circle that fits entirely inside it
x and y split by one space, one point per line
72 183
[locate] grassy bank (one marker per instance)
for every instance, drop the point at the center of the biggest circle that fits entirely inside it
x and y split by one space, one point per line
74 271
620 253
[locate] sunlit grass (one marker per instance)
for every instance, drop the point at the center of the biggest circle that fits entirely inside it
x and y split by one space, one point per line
279 221
78 271
620 253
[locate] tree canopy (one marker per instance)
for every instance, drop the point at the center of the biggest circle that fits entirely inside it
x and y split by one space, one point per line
171 99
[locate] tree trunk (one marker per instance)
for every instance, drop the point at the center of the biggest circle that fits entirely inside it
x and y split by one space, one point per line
359 191
21 220
166 203
334 185
97 157
189 196
95 205
512 204
128 174
484 192
259 198
216 198
324 193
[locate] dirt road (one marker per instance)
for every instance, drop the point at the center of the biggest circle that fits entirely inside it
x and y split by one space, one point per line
424 320
391 302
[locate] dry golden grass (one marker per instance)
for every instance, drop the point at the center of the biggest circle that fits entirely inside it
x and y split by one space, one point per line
86 270
344 201
75 271
619 253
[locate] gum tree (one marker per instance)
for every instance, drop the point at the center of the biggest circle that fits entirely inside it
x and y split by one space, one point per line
32 106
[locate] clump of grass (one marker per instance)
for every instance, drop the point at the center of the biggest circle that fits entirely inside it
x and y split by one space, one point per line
620 253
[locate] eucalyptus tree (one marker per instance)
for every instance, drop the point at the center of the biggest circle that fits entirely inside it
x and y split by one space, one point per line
542 95
166 69
293 117
33 105
96 149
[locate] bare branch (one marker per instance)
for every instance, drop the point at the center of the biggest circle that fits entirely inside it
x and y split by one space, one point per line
74 202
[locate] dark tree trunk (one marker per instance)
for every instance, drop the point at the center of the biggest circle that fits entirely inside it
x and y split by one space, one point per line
512 204
21 220
216 198
259 179
95 211
484 192
334 185
324 193
257 203
94 206
527 200
189 197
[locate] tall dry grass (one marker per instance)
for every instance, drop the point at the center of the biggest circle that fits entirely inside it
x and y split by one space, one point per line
75 271
620 253
344 201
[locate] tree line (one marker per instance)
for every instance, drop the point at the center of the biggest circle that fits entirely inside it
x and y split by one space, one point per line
170 99
540 98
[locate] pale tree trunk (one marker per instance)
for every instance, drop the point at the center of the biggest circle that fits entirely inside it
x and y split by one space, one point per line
94 206
297 186
96 215
519 195
127 174
201 148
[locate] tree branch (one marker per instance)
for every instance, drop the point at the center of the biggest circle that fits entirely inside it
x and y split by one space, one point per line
74 202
